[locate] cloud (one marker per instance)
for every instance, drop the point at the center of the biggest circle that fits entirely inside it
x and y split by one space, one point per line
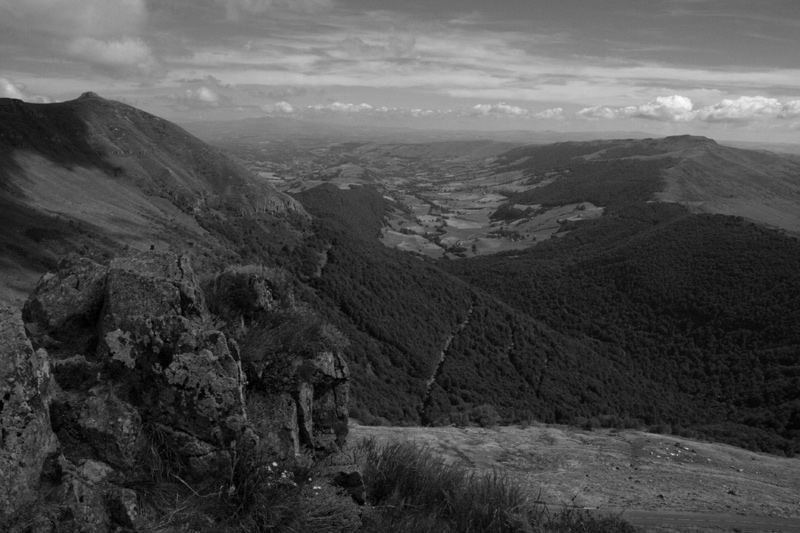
11 89
743 109
201 97
501 109
237 9
77 18
117 58
790 109
674 108
339 107
555 113
105 34
396 46
282 108
598 113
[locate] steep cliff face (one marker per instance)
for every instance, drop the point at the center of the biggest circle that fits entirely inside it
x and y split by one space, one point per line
139 366
26 437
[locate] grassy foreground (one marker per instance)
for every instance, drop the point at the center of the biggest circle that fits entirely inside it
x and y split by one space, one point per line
409 490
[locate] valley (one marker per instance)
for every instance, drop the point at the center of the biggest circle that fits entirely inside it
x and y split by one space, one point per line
445 197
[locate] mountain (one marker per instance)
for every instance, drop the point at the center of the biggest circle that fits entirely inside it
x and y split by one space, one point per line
100 176
652 313
694 171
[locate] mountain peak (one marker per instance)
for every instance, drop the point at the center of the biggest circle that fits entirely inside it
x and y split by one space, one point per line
89 94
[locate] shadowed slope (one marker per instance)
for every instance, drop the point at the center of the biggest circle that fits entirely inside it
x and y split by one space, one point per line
100 175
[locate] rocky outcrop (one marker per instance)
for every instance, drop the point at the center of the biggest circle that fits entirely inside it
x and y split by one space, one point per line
141 366
26 437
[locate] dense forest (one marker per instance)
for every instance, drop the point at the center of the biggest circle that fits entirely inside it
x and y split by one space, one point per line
647 316
707 307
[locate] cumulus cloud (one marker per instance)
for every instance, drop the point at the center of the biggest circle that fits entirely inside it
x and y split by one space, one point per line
504 110
743 109
598 113
11 89
284 108
678 108
556 113
501 109
674 108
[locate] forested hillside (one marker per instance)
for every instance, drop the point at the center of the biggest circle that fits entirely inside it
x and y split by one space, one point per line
649 316
705 306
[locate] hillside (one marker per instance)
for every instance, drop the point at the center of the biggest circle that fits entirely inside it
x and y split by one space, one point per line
101 176
694 171
642 314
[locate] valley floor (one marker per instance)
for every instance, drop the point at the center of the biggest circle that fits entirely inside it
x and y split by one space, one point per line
623 470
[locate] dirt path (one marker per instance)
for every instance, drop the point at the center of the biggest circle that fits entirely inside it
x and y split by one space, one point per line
626 470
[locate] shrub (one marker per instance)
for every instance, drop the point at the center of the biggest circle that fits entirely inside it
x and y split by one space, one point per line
295 331
484 415
417 491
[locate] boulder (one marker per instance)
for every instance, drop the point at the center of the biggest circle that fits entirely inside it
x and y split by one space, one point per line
26 437
61 313
111 427
154 337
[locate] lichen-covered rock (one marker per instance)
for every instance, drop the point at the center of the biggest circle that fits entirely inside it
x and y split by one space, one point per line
81 501
206 391
61 313
123 507
110 426
75 373
140 365
26 437
155 339
275 419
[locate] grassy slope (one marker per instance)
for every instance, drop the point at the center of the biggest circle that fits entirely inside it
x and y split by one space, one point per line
97 176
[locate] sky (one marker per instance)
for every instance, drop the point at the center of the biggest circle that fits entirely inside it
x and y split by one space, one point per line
728 69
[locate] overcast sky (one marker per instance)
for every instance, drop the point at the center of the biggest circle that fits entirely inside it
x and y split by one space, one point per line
729 69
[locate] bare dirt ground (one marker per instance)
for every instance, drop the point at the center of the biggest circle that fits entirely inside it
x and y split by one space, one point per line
618 469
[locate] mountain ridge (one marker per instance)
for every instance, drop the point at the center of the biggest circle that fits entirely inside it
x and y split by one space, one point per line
100 175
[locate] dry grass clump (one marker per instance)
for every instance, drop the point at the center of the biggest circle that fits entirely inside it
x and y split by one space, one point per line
412 490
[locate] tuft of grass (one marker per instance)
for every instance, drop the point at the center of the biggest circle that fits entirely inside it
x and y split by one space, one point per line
579 521
265 495
411 486
413 491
